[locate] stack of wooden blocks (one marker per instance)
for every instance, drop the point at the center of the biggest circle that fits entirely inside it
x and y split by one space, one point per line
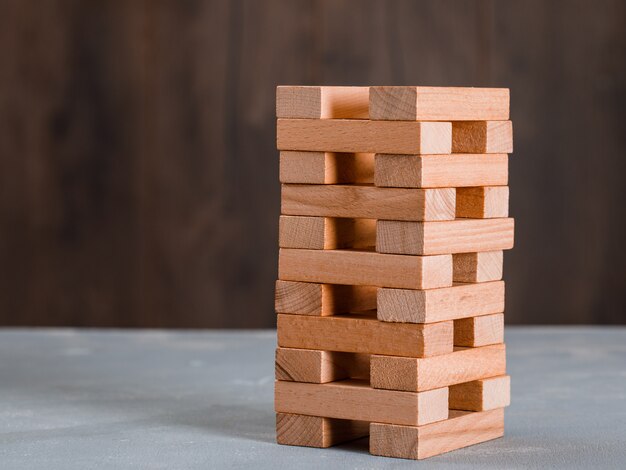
390 300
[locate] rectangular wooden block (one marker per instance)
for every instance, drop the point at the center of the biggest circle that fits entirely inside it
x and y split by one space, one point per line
368 202
355 399
365 268
418 374
314 431
315 366
482 137
443 237
479 331
441 171
421 103
478 267
461 429
327 168
322 102
345 135
364 334
325 233
482 202
307 298
481 395
434 305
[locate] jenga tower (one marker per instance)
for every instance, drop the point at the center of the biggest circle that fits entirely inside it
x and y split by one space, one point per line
390 298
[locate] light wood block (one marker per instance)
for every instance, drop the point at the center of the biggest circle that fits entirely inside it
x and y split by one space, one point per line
368 202
479 331
461 429
441 171
307 298
418 374
355 399
478 267
483 202
360 333
481 395
365 268
325 233
327 168
345 135
434 305
315 366
314 431
322 102
421 103
443 237
482 137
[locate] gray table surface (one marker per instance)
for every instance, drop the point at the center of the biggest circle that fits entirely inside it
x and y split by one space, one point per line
90 399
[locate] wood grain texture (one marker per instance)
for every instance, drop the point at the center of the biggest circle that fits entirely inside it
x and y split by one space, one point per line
478 267
410 103
364 334
328 168
314 431
418 374
345 135
315 366
460 430
482 202
368 202
436 238
481 395
482 137
322 102
325 233
479 331
365 268
441 171
355 399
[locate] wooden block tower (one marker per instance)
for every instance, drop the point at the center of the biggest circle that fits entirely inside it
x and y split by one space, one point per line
390 299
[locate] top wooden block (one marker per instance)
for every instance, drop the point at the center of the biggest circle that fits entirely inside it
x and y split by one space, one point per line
410 103
322 102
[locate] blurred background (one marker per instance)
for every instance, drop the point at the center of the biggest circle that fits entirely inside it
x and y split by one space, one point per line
138 170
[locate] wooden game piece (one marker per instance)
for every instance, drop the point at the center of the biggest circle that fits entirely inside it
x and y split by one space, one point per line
368 202
325 233
483 202
479 331
482 137
363 333
434 305
355 399
461 429
345 135
443 237
441 171
481 395
478 267
410 103
315 366
329 168
322 102
365 268
308 298
314 431
418 374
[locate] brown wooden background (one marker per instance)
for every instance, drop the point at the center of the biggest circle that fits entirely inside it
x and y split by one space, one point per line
138 176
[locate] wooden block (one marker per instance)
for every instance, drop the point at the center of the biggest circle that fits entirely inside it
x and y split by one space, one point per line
325 233
418 374
315 366
483 202
421 103
355 399
478 267
479 331
361 333
328 168
322 102
481 395
345 135
307 298
443 237
461 429
314 431
366 268
441 171
482 137
434 305
368 202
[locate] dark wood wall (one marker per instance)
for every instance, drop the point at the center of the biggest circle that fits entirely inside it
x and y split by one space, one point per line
138 176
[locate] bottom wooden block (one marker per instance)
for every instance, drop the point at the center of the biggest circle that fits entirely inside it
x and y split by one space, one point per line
313 431
461 429
481 395
479 331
